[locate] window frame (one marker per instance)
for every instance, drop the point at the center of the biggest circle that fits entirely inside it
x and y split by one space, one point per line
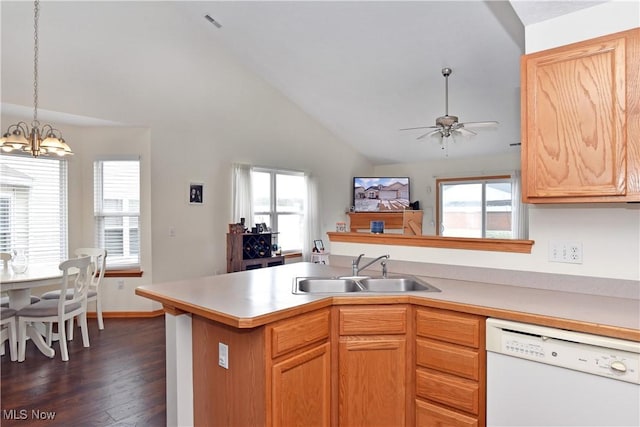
273 213
119 269
483 180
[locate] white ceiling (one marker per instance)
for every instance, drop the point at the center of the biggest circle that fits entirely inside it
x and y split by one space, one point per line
362 69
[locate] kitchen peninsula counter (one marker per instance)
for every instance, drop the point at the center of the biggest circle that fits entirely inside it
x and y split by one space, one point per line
258 297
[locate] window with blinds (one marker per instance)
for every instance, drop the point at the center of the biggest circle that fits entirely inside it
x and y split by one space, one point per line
33 207
117 211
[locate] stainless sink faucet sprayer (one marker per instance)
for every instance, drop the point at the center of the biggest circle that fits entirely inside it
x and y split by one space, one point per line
355 265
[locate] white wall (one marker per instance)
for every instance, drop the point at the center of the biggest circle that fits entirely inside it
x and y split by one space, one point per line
267 131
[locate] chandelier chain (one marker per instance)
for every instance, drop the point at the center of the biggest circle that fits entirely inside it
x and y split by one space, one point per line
36 15
37 140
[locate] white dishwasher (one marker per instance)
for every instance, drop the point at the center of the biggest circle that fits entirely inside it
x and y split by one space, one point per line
539 376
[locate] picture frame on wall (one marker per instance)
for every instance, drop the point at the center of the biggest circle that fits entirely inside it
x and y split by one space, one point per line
196 193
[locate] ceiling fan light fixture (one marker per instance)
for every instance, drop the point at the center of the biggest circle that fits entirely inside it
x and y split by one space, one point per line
447 125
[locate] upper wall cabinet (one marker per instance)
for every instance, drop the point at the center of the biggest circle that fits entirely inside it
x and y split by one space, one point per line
581 121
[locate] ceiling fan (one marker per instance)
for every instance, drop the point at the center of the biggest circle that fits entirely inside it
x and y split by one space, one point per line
447 125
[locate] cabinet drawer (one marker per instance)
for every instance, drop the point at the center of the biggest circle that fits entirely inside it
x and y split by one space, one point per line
452 391
449 358
428 415
457 328
373 320
298 332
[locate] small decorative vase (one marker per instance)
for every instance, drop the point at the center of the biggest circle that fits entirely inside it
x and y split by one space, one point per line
19 262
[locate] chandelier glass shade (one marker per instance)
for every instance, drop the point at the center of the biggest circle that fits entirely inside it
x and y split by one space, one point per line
37 139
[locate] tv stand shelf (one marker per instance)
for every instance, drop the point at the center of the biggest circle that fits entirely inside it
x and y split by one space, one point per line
409 221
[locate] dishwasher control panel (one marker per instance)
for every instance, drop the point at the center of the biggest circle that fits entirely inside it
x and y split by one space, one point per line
603 356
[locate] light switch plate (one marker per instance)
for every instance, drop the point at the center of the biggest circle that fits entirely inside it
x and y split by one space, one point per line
223 355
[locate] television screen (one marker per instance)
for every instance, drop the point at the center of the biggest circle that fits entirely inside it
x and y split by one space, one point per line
379 194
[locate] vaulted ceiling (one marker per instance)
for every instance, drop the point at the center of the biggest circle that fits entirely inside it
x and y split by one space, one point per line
362 69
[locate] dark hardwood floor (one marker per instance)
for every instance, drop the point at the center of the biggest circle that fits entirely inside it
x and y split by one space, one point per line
118 381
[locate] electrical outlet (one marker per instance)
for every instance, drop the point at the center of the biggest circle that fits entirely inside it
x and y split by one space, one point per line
223 355
120 284
565 251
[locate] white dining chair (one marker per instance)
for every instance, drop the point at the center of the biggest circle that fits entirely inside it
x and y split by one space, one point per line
98 264
76 278
4 301
8 332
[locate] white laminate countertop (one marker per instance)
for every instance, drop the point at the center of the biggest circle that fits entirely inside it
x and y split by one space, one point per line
256 297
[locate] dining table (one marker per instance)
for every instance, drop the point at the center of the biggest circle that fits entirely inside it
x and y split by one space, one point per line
18 287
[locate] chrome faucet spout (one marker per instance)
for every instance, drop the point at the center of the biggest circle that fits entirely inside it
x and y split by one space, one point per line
355 264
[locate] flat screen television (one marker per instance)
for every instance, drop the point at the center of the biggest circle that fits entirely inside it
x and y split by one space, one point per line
380 194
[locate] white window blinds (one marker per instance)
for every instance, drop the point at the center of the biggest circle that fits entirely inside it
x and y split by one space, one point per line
33 207
117 211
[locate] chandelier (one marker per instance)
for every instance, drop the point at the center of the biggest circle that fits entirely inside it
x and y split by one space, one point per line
39 140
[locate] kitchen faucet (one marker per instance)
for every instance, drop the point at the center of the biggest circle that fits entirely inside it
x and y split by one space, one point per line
355 265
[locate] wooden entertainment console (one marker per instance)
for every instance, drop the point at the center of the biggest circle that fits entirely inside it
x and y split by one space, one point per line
409 221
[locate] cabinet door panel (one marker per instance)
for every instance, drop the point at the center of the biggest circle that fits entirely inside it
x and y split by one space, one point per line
428 415
449 390
573 117
291 334
376 320
449 358
457 328
372 381
301 391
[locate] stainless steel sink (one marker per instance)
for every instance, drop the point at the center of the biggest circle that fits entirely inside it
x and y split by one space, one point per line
325 285
361 284
397 284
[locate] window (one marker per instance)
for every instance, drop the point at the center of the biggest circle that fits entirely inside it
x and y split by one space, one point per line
479 207
117 211
33 207
278 200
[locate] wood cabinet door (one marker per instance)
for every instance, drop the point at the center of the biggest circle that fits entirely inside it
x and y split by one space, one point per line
372 380
573 120
301 389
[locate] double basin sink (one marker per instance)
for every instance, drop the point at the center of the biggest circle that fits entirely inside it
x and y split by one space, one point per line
360 284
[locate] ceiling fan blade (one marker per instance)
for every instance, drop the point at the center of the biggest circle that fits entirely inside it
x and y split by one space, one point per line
466 132
421 127
433 132
479 124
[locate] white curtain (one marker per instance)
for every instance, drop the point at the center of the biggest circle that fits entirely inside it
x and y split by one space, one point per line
241 194
519 210
311 230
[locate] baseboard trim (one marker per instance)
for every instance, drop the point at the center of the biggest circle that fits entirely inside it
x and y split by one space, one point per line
126 314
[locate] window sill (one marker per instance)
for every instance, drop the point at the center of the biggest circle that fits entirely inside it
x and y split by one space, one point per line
123 273
469 243
290 255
